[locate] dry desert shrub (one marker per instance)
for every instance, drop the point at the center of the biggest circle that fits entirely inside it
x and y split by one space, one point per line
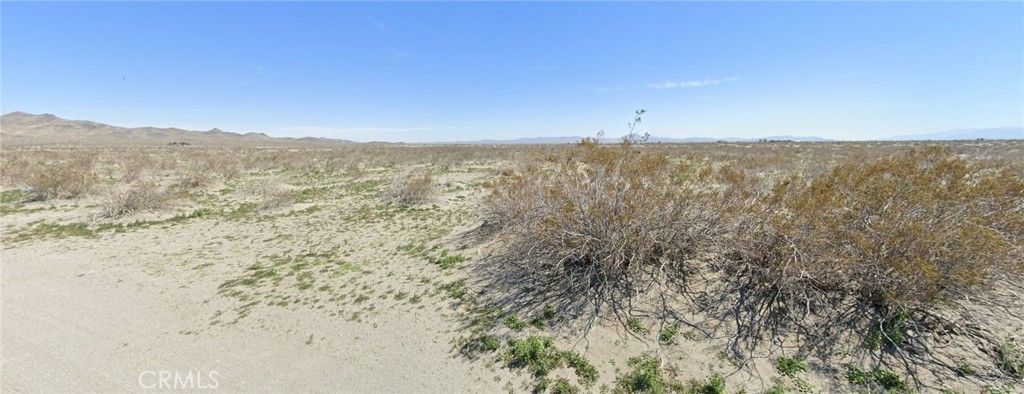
225 163
196 174
604 220
137 197
905 231
411 188
270 191
355 170
259 187
69 178
134 164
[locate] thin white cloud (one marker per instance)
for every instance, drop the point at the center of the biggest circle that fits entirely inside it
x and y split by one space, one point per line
376 23
690 84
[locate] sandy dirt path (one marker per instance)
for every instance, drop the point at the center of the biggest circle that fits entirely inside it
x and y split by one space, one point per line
76 321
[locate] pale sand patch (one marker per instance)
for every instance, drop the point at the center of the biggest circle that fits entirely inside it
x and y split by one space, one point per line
74 322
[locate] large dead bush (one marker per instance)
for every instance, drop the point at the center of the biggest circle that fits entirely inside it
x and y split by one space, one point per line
411 188
603 221
72 177
129 199
905 231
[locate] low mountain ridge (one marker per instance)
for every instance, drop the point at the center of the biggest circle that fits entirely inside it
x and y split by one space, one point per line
21 128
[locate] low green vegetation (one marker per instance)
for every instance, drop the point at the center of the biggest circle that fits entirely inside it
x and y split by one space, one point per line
879 378
513 322
476 344
540 356
635 325
455 289
789 366
890 332
646 377
668 334
446 261
1010 359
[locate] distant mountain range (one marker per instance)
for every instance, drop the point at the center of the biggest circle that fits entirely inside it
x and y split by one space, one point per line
20 128
998 133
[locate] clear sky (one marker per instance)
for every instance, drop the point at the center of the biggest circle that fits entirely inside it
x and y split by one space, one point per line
463 71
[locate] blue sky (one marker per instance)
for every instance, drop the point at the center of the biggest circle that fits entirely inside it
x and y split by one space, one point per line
462 71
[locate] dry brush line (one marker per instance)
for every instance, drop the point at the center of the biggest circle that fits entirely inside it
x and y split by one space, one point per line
875 247
68 177
604 224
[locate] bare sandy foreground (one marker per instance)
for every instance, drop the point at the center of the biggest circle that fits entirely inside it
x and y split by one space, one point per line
76 322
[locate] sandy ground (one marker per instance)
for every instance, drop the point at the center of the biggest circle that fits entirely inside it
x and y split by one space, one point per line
112 313
333 294
75 320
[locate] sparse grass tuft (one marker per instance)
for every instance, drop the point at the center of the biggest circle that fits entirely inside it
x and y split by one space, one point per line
537 354
447 261
714 384
635 325
514 323
455 289
789 366
540 356
668 334
878 378
1011 359
478 343
646 377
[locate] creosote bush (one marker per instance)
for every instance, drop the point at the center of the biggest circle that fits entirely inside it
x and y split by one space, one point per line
411 188
905 231
139 196
71 178
601 219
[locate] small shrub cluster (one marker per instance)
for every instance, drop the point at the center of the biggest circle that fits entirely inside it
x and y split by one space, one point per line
637 326
478 343
540 356
878 378
197 174
904 231
603 219
136 197
668 334
789 366
648 376
71 178
412 188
